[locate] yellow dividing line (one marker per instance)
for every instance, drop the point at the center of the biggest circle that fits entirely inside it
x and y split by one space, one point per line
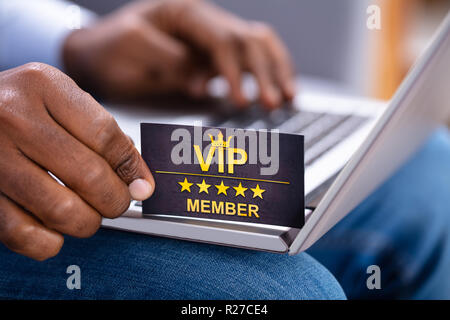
224 177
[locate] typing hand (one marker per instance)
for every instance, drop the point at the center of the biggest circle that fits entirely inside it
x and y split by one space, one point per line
177 45
48 124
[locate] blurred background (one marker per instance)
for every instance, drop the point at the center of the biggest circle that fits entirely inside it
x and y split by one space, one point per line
329 39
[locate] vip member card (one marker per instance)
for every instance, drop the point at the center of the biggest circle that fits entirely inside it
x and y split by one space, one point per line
226 174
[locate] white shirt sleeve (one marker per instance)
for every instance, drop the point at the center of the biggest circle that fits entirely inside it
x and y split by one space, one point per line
34 30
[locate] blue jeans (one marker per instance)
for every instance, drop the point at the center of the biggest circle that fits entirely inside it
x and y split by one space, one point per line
119 265
403 228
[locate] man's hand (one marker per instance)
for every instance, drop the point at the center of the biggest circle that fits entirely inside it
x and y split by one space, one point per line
48 124
177 45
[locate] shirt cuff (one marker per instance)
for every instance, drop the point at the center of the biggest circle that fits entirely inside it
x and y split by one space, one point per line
34 31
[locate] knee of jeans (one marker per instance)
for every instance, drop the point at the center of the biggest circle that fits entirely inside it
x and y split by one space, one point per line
158 268
309 279
228 273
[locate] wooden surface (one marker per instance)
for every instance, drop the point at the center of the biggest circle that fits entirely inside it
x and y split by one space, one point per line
390 63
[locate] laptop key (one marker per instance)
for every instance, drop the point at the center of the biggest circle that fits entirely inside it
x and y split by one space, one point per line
279 116
333 138
244 118
321 127
299 121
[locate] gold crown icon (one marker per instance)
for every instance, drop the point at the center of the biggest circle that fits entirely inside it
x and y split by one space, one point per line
220 143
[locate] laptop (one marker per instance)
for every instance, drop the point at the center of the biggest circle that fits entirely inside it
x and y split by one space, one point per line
352 145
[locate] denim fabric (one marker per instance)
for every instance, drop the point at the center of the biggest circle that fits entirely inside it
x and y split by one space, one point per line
403 227
119 265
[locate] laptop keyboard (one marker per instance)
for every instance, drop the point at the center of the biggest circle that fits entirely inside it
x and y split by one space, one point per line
322 131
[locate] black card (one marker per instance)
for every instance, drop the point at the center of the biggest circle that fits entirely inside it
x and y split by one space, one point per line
227 174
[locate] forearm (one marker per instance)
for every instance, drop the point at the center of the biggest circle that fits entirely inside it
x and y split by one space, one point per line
35 30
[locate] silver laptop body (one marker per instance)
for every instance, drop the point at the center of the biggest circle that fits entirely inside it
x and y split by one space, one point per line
351 146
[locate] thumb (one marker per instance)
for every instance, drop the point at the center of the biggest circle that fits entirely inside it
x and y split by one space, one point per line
119 151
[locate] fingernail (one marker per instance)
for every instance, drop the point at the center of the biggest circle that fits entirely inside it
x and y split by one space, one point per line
140 189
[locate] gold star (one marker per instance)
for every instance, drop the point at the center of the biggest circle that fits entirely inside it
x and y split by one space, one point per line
185 185
257 192
221 188
240 190
203 186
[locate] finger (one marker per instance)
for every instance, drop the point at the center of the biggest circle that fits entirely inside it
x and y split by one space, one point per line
197 83
203 26
86 120
78 167
281 62
166 60
158 46
23 234
56 206
228 65
260 66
